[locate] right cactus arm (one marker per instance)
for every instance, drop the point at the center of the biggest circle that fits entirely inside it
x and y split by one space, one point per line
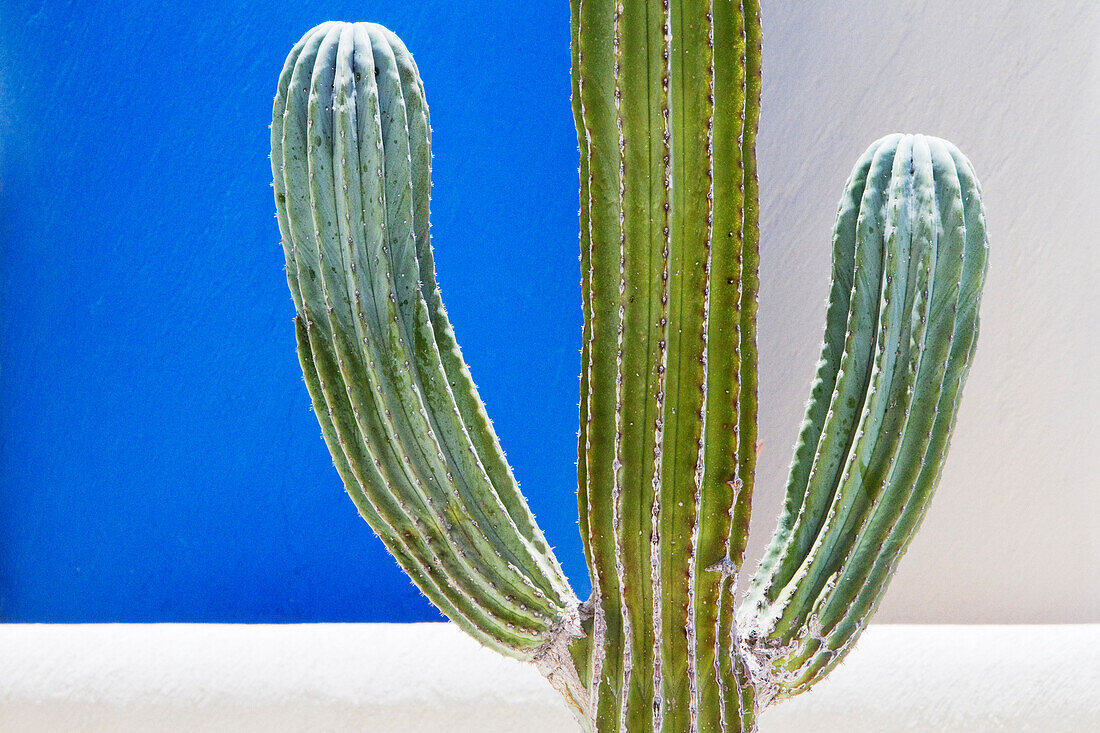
408 434
910 243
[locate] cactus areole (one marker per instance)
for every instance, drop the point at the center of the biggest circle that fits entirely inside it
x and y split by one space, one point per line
666 99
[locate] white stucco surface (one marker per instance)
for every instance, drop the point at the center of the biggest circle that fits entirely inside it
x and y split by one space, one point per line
429 678
1013 534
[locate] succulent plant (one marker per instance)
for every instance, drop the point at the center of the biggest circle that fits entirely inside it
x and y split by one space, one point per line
666 100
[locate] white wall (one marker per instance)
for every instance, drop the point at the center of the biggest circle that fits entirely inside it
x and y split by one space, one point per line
1014 532
428 678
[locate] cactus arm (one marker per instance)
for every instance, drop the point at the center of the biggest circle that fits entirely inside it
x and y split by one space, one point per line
320 290
943 364
926 222
408 436
354 466
332 406
891 473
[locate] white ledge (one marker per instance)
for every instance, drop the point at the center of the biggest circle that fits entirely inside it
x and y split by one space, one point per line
408 678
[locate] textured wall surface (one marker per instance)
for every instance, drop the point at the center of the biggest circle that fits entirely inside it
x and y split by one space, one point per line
1012 535
158 459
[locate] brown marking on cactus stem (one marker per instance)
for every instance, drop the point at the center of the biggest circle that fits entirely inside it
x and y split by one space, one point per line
556 664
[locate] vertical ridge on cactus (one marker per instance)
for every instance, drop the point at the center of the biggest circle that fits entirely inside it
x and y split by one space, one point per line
666 97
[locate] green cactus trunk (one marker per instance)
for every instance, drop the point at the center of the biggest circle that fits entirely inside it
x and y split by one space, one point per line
666 99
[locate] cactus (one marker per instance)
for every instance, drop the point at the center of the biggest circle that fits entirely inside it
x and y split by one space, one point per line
666 100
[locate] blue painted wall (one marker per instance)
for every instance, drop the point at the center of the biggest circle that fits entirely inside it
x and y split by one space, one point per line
160 461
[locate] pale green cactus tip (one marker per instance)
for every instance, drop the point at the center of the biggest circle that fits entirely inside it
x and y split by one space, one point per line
666 100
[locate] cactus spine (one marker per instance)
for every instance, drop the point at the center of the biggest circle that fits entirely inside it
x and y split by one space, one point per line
666 100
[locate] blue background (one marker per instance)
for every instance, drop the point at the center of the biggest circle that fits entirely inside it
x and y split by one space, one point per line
160 461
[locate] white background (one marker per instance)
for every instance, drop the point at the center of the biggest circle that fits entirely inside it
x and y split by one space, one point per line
1013 535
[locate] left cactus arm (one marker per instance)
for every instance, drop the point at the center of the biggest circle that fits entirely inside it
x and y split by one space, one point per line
351 160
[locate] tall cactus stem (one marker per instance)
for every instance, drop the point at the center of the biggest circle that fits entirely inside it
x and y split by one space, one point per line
660 486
